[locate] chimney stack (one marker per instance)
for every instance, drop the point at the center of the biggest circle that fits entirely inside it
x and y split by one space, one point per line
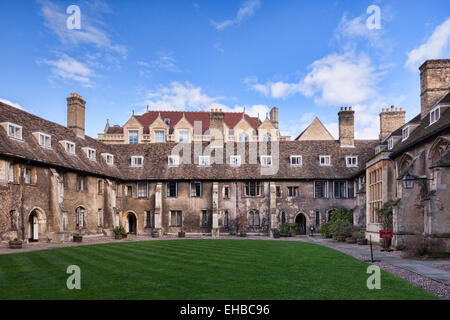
434 83
274 116
216 126
390 120
75 114
346 127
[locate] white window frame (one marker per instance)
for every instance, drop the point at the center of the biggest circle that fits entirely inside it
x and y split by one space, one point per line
167 189
68 147
325 164
391 143
265 161
139 190
42 142
175 161
235 161
133 161
204 161
435 115
296 157
17 131
91 154
109 158
129 135
326 189
405 133
179 136
351 165
163 136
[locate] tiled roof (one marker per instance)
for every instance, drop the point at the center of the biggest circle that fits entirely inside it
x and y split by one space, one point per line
155 155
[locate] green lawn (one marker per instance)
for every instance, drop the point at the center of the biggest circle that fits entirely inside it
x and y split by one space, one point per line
196 269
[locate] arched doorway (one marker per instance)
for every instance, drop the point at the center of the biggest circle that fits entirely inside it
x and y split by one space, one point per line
300 220
33 225
330 213
131 223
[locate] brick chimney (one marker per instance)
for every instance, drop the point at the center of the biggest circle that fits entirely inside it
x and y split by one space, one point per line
346 127
216 126
274 116
434 83
390 120
75 114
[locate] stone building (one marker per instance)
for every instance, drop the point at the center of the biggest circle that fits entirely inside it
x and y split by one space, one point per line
196 171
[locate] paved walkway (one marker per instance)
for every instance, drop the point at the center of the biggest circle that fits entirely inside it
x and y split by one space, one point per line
429 269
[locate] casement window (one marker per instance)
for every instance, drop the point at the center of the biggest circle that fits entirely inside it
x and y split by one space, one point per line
325 160
11 177
70 147
317 218
205 218
435 114
183 136
296 161
172 189
320 189
133 136
196 189
14 131
91 154
243 138
27 175
129 191
148 219
391 143
266 161
137 161
405 133
377 150
204 161
351 161
226 192
79 217
226 219
340 189
278 191
283 217
160 136
176 219
45 140
142 190
293 191
173 161
408 182
253 218
252 188
81 183
235 160
99 217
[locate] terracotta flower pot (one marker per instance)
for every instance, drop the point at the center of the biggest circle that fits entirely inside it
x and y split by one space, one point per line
181 234
118 237
15 244
155 234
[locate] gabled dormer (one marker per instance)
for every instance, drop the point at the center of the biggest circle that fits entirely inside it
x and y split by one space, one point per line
159 130
183 130
13 130
133 131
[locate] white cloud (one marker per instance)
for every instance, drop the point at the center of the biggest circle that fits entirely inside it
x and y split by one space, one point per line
433 48
247 10
68 68
90 32
12 104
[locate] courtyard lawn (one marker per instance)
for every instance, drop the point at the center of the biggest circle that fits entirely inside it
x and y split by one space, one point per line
196 269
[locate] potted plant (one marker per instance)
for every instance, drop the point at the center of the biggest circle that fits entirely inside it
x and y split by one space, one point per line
276 233
15 244
181 234
241 224
119 232
385 216
155 234
77 237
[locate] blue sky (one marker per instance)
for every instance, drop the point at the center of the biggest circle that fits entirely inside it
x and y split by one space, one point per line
308 58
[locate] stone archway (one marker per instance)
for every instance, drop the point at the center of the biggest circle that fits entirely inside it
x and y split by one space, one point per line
330 213
129 221
301 221
36 221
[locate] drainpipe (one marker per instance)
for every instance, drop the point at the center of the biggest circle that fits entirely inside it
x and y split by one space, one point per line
22 200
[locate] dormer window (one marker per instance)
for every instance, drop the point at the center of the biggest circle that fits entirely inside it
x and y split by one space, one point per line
235 161
70 147
173 161
435 114
45 140
133 136
159 136
137 161
325 160
296 161
351 161
14 131
391 143
109 158
91 154
204 161
405 133
266 161
184 136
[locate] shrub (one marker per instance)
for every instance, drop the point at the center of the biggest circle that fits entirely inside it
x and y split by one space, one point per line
325 230
120 230
385 215
289 229
342 214
240 222
419 245
342 228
